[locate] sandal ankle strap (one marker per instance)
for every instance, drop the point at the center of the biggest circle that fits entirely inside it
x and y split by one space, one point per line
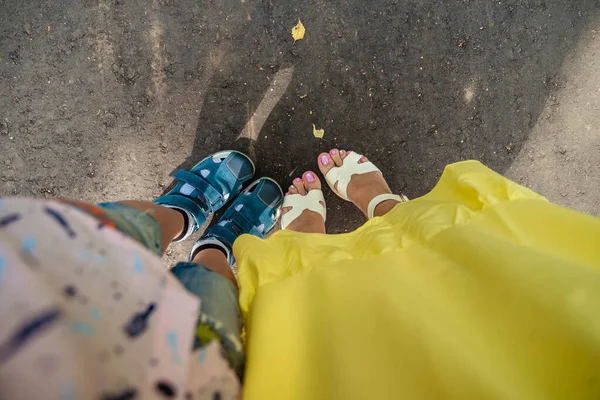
380 199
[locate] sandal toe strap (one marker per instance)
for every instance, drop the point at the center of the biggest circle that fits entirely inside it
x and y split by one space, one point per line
342 175
298 203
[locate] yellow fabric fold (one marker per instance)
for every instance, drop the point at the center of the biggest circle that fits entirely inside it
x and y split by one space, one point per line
479 289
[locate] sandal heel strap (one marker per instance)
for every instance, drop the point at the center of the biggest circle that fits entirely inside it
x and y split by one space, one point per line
377 200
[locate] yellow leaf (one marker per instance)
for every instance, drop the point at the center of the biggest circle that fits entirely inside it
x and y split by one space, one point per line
318 133
298 31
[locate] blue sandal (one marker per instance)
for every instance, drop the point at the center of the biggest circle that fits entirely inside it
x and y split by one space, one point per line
254 211
207 187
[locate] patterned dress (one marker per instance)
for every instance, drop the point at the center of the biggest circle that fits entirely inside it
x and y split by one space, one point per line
89 310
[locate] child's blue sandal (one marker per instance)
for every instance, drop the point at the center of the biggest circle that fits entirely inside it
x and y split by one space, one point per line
254 211
206 187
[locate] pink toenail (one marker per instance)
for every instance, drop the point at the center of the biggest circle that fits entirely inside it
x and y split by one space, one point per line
297 180
324 160
310 177
286 194
333 152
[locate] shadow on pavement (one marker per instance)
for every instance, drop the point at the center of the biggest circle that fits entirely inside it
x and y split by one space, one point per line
414 85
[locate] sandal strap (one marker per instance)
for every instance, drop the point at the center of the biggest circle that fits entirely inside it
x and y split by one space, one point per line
311 201
185 203
380 199
342 175
251 213
228 230
207 191
244 223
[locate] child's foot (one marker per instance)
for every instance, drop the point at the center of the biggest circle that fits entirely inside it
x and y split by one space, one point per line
207 187
308 221
254 211
362 187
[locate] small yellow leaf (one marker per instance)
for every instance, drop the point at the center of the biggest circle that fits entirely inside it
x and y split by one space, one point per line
298 31
318 133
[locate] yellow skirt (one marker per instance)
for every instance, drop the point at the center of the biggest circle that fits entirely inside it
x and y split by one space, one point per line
480 289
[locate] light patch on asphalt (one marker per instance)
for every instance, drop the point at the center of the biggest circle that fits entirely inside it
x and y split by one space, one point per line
560 158
469 94
158 61
279 84
104 49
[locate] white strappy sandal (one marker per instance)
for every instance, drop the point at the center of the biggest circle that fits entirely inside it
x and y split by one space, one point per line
311 201
342 176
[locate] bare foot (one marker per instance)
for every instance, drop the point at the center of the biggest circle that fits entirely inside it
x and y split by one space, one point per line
308 221
362 188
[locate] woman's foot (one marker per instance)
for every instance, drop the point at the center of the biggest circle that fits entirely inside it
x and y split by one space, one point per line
308 221
362 188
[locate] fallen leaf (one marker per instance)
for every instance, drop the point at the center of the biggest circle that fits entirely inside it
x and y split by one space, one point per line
318 133
303 96
298 31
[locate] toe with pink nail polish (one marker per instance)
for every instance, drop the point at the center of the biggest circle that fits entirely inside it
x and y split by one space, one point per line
324 160
310 177
333 152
